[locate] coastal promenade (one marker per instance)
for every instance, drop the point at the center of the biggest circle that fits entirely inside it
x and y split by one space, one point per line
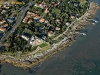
32 59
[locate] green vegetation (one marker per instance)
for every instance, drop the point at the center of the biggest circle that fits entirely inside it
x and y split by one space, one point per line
9 0
15 44
43 45
55 10
59 12
34 48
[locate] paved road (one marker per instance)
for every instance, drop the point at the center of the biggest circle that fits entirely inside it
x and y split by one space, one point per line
20 17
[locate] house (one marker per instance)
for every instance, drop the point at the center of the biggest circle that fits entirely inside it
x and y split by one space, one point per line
48 24
36 11
36 17
3 11
6 6
46 11
2 21
30 21
57 28
30 13
42 20
46 21
59 3
72 17
34 41
28 16
33 14
25 20
5 25
50 33
58 20
6 3
2 29
55 4
67 23
25 37
42 5
68 2
36 5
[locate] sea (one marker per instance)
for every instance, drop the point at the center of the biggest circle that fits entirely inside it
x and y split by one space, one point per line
81 58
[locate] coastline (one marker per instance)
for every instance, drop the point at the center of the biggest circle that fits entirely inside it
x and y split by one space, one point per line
62 44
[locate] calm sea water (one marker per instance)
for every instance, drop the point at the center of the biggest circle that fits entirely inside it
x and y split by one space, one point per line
81 58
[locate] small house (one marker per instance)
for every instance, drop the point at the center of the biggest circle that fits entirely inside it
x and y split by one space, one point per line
50 33
57 28
2 29
42 20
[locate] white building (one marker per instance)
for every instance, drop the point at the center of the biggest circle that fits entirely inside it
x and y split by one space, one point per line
35 41
25 37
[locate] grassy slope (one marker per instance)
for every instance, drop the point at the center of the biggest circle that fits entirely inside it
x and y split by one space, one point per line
8 1
82 1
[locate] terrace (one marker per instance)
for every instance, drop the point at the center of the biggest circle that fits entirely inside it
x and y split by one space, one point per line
35 41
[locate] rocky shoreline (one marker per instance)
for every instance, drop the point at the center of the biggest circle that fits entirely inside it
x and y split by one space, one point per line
32 60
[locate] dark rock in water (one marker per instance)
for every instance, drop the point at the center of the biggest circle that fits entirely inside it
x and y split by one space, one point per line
28 61
30 70
33 70
0 68
4 74
20 0
85 31
96 18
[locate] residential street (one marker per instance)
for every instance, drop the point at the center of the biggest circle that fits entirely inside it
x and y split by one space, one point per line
20 17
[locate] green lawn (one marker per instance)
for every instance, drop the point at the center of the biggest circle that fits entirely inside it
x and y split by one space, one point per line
43 45
34 48
55 10
82 1
8 0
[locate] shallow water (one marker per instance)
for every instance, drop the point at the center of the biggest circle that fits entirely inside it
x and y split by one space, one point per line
81 58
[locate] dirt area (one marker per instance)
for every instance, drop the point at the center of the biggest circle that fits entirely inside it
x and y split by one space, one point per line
8 1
